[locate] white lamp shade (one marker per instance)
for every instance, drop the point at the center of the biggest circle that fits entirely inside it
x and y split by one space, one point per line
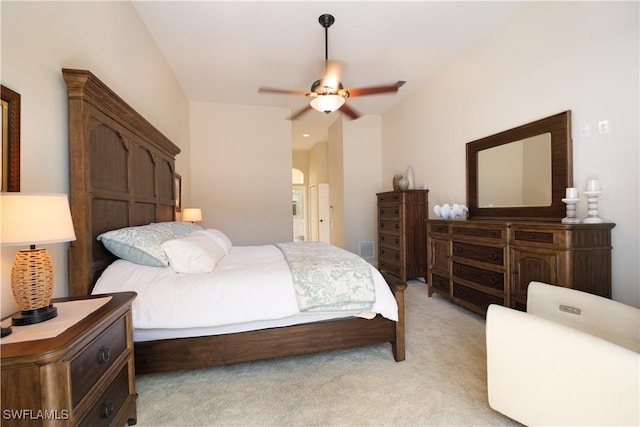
35 218
327 103
192 214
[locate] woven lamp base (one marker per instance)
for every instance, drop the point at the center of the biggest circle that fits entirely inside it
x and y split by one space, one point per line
32 286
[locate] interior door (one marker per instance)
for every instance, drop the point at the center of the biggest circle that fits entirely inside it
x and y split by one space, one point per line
324 213
313 212
319 212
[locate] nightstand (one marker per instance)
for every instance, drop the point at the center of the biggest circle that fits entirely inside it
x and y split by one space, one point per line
83 376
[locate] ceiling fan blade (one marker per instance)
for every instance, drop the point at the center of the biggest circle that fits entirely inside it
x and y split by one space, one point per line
282 91
350 112
373 90
300 112
332 74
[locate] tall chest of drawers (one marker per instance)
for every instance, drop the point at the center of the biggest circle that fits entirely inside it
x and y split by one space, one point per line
478 263
82 377
402 234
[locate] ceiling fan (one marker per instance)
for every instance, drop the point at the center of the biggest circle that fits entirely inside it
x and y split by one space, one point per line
327 94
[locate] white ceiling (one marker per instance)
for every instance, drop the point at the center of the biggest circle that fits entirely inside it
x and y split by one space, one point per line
222 51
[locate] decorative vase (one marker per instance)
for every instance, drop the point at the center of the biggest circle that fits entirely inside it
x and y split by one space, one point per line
396 180
403 184
410 178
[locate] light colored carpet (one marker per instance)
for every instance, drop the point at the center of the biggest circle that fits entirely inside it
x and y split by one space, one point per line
441 382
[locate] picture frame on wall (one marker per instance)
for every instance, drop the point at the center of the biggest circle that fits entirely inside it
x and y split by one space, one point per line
10 140
178 191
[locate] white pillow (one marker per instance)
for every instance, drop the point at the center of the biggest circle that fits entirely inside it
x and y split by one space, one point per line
193 254
217 236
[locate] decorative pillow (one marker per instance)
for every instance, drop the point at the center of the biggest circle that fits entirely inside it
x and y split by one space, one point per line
140 245
180 228
195 253
217 236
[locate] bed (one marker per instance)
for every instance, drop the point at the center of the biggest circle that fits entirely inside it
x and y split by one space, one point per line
122 173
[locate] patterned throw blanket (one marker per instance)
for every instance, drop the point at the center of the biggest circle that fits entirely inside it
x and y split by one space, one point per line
327 278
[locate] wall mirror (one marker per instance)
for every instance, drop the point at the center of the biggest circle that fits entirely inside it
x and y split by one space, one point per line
10 140
521 173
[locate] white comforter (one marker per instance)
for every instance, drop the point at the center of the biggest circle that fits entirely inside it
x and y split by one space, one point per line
251 283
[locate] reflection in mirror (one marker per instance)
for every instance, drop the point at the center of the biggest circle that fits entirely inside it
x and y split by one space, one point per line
516 174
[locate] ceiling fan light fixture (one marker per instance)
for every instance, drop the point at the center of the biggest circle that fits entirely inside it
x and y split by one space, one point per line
327 103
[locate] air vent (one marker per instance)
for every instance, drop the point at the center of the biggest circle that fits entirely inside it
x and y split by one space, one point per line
366 249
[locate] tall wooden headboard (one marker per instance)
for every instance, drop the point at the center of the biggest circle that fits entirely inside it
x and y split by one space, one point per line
121 173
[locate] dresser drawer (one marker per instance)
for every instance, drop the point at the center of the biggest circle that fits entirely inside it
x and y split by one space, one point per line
390 240
389 255
439 228
109 404
389 197
440 283
389 211
488 254
481 276
96 359
475 297
490 233
389 226
390 267
532 236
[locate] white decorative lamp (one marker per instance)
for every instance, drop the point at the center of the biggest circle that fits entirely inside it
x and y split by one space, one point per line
29 219
192 214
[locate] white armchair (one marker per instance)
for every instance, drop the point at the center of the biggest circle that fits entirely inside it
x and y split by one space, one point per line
571 359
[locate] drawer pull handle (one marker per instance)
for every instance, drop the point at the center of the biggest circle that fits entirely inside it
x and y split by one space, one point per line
397 256
459 271
397 211
493 234
493 280
532 236
458 250
397 240
494 256
382 225
107 409
104 354
397 226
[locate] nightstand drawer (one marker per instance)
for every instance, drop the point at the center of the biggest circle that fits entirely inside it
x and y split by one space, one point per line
96 359
109 404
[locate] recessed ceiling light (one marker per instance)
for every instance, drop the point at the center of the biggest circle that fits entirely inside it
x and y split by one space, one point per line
306 135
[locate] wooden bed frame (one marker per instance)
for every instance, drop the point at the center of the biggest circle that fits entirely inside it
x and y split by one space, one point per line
122 174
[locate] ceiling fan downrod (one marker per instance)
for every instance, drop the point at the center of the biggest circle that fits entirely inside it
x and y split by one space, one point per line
326 20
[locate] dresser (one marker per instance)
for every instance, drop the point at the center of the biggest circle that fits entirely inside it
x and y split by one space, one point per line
483 262
83 376
402 248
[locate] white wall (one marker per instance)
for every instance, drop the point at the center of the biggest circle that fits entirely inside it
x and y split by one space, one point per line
550 57
38 40
241 171
362 161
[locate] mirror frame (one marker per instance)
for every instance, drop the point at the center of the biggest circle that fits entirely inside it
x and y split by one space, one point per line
11 139
559 125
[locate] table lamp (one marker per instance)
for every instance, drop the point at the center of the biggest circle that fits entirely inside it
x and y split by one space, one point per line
192 214
29 219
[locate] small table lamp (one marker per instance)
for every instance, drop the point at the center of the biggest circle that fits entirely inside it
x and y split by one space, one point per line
30 219
192 214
